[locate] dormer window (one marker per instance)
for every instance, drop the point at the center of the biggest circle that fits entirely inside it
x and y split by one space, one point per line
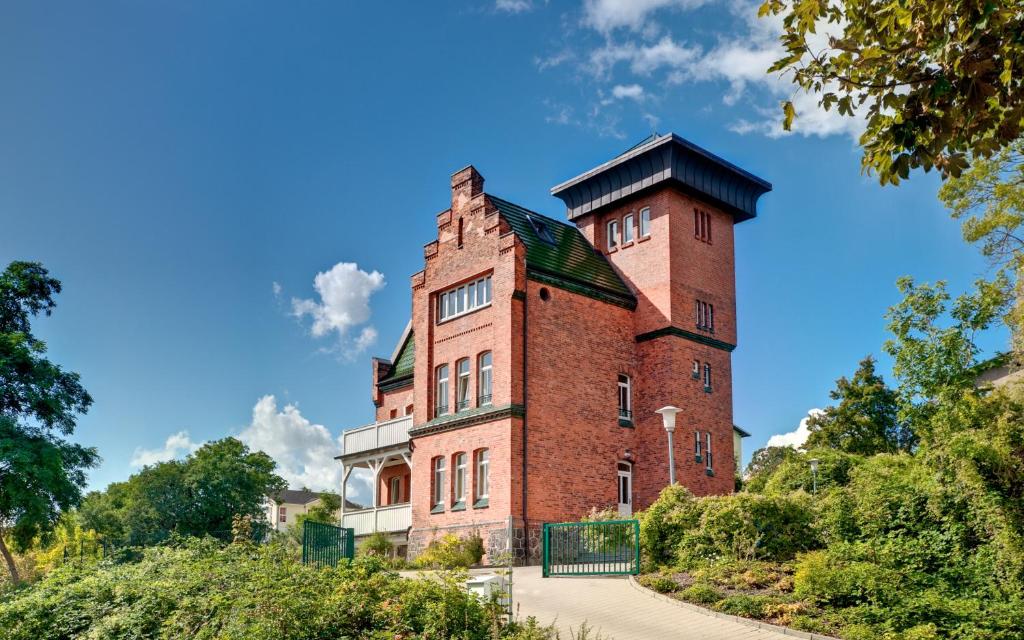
541 229
627 229
613 235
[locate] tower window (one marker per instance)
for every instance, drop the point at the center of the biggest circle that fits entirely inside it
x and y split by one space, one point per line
485 379
707 377
441 400
696 369
696 447
702 226
625 401
462 385
627 228
645 222
705 316
613 235
707 454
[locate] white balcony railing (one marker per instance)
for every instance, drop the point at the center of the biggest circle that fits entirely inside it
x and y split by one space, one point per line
397 517
377 435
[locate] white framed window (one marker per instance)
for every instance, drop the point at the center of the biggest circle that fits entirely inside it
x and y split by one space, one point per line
485 379
705 316
707 377
282 514
460 477
696 369
625 399
483 473
707 451
396 490
439 483
462 384
441 400
463 299
627 228
645 222
613 234
696 446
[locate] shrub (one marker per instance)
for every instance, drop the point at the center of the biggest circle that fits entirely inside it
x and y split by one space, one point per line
377 544
794 473
451 552
743 605
664 523
823 578
659 583
701 594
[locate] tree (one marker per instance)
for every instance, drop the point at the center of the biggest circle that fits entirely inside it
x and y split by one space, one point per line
989 198
763 463
325 510
200 495
865 419
937 81
41 474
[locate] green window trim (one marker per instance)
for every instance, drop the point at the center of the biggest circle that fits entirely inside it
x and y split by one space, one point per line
459 506
626 422
482 503
710 472
438 508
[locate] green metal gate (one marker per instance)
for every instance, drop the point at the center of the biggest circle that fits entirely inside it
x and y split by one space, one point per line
326 544
592 548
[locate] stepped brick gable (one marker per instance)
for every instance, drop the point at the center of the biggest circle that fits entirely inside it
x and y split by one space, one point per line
525 386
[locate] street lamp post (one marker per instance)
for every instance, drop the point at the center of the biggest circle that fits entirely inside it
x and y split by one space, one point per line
668 418
814 475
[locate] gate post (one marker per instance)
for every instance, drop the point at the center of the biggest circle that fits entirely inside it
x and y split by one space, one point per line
636 547
546 538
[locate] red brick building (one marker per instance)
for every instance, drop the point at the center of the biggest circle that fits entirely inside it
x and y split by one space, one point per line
526 384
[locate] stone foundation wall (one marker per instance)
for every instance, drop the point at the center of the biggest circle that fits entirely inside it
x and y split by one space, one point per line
526 542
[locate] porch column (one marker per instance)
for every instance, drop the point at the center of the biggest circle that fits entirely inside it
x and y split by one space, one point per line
345 471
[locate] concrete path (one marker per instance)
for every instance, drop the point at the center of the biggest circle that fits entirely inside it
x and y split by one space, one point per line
619 611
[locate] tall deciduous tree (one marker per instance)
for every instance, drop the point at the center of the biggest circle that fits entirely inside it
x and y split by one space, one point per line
865 419
41 474
938 81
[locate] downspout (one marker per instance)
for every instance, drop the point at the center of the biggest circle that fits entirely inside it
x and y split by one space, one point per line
525 413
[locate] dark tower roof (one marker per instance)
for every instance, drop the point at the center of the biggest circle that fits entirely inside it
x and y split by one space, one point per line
664 159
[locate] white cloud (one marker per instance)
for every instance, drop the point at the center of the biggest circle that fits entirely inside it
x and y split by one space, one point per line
795 438
176 446
631 91
304 451
344 304
276 287
555 60
607 15
513 6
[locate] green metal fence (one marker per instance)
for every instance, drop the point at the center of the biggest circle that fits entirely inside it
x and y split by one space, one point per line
592 548
326 544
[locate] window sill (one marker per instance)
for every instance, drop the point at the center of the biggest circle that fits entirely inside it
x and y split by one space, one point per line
698 459
707 389
695 376
625 422
626 244
482 503
438 508
612 250
459 506
710 472
644 238
463 314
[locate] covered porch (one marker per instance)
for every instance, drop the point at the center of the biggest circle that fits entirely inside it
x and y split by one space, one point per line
381 450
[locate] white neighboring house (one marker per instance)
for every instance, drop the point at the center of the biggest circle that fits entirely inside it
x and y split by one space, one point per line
283 508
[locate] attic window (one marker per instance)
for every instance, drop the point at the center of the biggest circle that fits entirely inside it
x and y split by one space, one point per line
541 229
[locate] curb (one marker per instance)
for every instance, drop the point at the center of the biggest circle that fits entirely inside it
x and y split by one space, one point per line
747 622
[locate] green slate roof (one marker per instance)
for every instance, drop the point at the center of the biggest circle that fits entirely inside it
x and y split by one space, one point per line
403 364
559 253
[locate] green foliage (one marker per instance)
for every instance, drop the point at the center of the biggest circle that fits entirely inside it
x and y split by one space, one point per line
376 544
659 583
451 552
204 590
865 419
664 523
197 496
763 464
794 474
41 473
935 81
701 594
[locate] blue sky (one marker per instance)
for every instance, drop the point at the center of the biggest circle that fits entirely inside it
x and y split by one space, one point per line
187 169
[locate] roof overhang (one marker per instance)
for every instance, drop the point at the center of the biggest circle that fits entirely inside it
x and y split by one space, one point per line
665 160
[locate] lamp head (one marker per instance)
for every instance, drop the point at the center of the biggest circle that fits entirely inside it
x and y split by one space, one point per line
814 465
668 417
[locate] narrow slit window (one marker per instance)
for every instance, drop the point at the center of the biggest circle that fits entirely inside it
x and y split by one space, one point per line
645 222
707 377
441 401
707 450
462 385
627 228
613 234
485 379
696 446
625 401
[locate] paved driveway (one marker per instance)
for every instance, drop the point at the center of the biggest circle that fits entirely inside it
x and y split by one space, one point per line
619 610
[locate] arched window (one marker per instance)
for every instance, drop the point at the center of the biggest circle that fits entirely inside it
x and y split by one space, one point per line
483 474
625 399
441 400
613 234
627 228
645 222
459 467
462 385
707 377
439 481
485 379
